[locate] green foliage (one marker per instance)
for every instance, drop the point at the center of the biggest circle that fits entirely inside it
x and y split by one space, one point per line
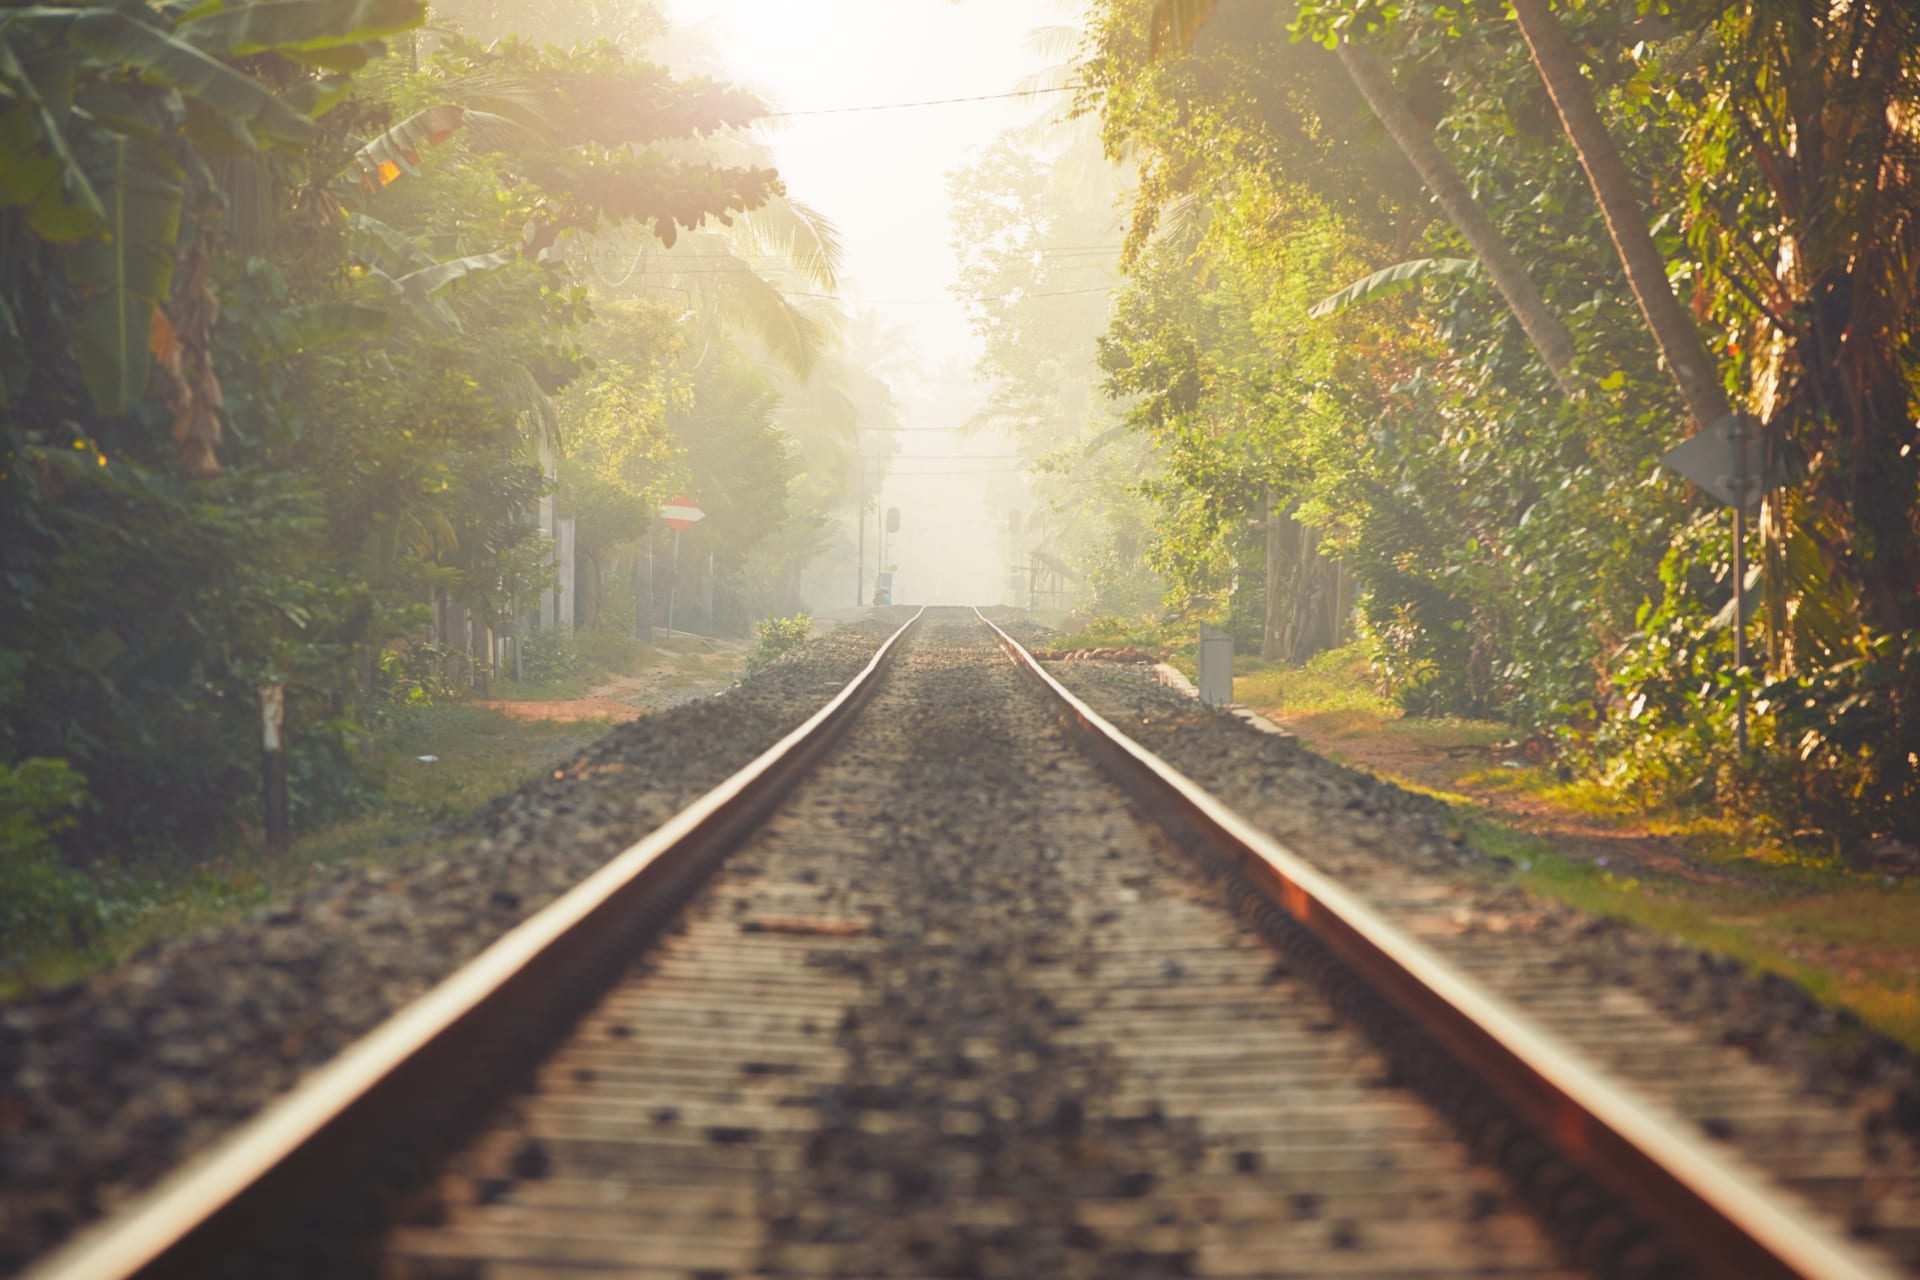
41 901
549 656
1520 555
414 674
775 636
192 262
1037 317
108 183
1388 281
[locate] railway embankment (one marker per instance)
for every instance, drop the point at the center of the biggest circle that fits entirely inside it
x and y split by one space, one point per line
1751 1058
108 1082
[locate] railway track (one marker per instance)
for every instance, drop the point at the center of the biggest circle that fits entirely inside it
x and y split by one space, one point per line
959 1002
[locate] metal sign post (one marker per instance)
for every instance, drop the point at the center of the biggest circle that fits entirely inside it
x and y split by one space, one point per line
680 514
1725 460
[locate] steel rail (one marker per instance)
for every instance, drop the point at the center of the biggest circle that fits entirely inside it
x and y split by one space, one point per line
1712 1208
468 1034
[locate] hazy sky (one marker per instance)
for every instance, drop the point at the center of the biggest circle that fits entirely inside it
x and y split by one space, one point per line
881 176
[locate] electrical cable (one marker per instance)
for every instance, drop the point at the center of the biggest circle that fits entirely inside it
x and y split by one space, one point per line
924 102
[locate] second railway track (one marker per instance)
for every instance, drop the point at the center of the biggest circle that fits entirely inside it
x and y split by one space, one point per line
959 1007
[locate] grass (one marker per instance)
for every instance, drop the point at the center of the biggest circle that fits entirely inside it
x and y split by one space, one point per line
482 755
1848 943
1776 906
598 657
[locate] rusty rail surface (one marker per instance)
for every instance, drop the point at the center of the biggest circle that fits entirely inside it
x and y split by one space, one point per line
1715 1212
375 1116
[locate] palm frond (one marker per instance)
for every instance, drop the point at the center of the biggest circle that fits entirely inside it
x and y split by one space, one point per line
750 303
798 233
516 390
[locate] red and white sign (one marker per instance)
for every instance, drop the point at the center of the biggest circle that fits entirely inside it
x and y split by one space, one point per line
682 514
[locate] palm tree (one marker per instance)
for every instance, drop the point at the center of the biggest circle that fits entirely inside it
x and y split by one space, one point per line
1680 346
767 276
1175 24
1542 326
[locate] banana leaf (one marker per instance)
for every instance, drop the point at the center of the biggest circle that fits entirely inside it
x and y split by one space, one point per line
378 244
397 151
121 40
299 26
38 170
124 275
427 281
1391 280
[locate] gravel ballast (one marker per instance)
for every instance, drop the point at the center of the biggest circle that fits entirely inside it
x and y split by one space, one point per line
107 1084
1396 849
955 1011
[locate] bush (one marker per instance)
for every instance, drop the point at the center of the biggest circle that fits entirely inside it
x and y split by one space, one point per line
775 636
415 674
617 652
548 656
41 901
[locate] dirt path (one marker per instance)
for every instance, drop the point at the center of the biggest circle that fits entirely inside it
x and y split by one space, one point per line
673 679
566 711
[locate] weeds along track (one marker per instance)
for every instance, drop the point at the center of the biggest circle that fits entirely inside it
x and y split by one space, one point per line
959 1004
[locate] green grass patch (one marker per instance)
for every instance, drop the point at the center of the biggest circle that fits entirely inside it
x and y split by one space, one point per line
556 689
1337 681
1774 905
1849 939
571 665
1334 697
481 755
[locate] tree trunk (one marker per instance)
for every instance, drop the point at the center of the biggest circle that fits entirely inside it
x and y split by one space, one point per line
1542 327
1270 625
1559 65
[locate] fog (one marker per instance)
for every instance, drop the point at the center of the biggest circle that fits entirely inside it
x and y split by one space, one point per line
882 176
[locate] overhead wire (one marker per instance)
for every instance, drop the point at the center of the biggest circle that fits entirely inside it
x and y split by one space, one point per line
923 102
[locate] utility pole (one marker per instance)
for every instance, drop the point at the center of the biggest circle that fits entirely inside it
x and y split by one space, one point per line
860 560
643 590
711 629
1270 625
673 579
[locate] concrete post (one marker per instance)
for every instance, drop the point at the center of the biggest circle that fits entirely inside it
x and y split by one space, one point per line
1216 666
563 550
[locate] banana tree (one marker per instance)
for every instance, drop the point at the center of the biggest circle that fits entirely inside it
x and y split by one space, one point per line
110 118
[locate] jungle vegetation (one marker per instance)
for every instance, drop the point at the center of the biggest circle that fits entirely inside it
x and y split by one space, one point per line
323 322
317 321
1417 292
